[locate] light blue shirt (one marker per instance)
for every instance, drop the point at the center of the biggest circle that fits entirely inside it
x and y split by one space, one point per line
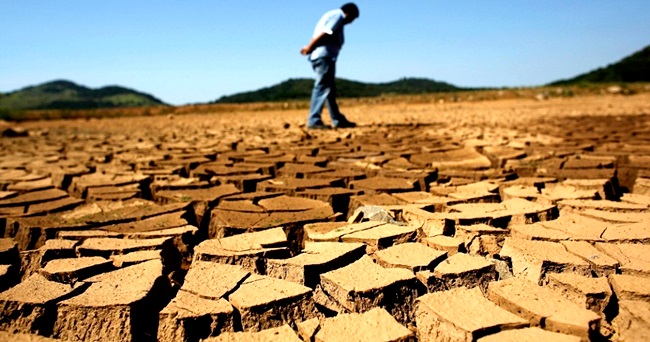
332 24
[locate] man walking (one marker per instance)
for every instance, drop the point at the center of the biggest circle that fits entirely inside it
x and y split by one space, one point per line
323 49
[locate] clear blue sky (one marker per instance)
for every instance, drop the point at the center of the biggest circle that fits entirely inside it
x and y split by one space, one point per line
198 50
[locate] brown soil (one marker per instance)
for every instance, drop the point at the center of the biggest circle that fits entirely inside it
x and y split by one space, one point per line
506 219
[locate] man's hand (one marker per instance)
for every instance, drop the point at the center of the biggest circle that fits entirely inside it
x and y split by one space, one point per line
307 49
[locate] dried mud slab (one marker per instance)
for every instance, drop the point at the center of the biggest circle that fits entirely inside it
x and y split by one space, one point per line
620 207
412 256
377 185
18 337
373 325
591 293
338 198
533 260
482 239
364 285
80 185
33 197
120 217
463 158
58 249
504 214
601 263
335 231
266 302
628 233
476 192
628 287
130 259
317 258
459 270
29 306
283 333
381 237
10 263
528 335
425 198
633 320
209 195
634 259
544 307
449 244
69 271
577 227
235 220
213 280
249 250
119 305
382 200
429 223
106 247
529 193
461 315
290 186
189 317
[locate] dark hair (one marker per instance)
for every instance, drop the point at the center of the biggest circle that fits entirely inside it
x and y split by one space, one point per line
351 9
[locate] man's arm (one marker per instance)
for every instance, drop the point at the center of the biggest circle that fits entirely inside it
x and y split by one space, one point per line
307 49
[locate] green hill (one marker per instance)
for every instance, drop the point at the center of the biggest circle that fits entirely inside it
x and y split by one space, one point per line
300 89
634 68
68 95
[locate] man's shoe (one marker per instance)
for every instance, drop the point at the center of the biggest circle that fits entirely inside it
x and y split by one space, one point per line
319 126
346 124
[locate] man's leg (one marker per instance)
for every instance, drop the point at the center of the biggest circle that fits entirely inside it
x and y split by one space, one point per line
338 120
321 91
332 106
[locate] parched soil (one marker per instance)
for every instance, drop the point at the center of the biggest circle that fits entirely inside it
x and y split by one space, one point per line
511 219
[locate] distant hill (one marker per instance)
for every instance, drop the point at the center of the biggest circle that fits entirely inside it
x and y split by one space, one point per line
300 88
62 94
634 68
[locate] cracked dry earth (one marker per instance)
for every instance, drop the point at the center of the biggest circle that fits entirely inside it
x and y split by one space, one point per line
509 220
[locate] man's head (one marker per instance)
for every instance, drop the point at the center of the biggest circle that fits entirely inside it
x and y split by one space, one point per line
351 12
